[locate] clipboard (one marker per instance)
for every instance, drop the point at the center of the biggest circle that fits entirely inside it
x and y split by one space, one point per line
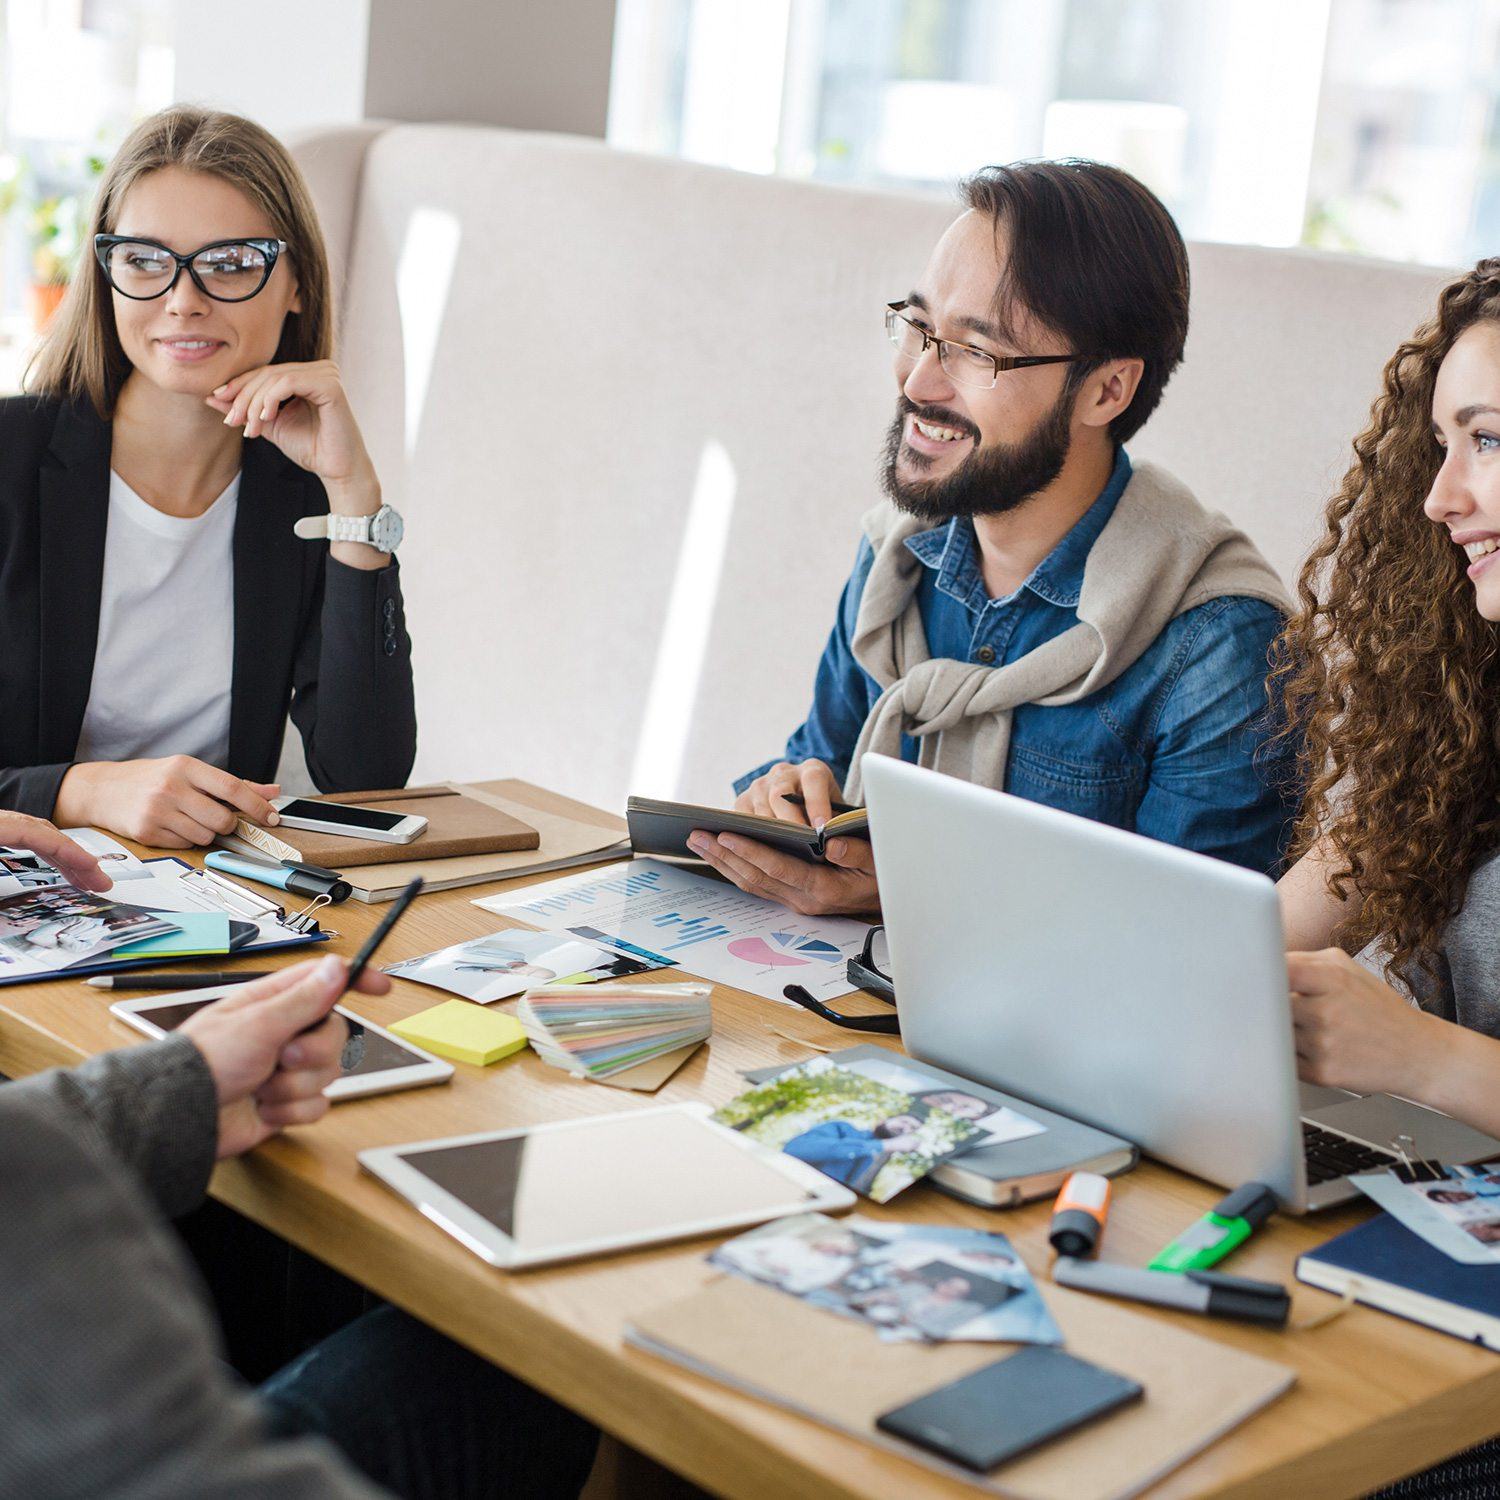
275 931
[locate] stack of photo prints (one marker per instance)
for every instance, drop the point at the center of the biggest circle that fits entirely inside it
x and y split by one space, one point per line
911 1282
855 1128
501 965
601 1030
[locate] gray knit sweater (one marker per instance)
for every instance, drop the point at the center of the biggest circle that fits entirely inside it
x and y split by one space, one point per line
110 1377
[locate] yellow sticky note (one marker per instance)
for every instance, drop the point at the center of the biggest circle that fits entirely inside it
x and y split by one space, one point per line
464 1031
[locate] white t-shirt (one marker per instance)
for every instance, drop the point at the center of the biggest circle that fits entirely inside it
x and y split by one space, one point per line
165 655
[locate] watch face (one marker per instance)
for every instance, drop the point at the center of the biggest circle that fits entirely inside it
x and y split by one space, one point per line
386 529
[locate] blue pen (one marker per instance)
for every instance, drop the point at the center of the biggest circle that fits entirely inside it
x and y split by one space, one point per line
283 877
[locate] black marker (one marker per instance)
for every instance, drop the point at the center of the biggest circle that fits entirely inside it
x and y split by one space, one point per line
1209 1292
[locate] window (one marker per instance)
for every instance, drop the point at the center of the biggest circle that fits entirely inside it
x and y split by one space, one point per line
1362 125
74 76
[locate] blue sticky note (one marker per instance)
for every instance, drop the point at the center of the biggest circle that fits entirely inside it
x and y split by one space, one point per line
202 932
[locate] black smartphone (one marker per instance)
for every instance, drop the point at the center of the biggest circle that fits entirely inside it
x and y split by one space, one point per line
1009 1407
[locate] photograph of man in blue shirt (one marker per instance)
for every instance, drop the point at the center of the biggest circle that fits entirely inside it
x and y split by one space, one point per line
1028 608
851 1154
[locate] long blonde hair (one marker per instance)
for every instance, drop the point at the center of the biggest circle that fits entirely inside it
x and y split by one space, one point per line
1390 675
81 357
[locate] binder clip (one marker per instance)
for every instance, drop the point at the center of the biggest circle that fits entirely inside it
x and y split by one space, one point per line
1411 1168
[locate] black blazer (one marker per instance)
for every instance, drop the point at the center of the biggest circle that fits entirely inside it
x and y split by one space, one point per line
311 635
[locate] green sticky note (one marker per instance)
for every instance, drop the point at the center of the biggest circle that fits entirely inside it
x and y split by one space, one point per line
200 933
463 1031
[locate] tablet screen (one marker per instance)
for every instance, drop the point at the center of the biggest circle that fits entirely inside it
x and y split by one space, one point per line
365 1052
624 1175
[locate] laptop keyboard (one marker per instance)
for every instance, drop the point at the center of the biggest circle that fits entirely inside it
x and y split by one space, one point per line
1330 1156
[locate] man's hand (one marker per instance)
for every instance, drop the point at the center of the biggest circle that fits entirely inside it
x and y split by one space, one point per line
846 884
174 803
810 780
17 831
1353 1031
267 1073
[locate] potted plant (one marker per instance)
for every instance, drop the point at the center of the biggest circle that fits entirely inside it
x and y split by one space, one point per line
57 225
54 241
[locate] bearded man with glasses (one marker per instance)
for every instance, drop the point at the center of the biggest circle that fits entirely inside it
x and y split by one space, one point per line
1028 609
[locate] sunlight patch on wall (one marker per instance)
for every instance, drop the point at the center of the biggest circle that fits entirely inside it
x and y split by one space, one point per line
668 718
424 277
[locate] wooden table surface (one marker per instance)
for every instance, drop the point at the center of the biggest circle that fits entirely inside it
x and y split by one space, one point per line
1376 1397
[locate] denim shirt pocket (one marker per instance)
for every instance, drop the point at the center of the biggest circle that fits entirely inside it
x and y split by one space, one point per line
1106 790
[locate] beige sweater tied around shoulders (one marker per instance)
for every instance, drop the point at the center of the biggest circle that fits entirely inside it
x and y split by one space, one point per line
1160 554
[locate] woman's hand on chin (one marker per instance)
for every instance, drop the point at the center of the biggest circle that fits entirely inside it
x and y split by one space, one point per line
302 408
174 803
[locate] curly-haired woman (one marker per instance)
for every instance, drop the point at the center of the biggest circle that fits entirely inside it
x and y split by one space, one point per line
1391 673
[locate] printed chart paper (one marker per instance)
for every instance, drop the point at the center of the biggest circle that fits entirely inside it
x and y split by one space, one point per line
705 926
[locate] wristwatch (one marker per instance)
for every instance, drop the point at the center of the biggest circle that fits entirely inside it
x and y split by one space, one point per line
383 530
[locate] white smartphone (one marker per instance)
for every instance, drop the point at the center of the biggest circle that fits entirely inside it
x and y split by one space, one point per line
374 1061
352 822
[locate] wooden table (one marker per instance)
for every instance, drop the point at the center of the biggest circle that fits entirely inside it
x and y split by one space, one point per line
1376 1397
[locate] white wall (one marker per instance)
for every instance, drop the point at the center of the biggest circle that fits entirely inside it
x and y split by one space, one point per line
331 62
299 63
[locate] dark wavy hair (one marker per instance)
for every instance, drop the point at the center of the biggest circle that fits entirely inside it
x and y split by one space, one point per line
1094 255
1391 676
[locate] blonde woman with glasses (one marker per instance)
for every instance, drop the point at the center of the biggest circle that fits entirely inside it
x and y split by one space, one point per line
161 615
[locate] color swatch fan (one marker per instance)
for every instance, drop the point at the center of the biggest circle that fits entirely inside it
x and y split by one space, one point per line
598 1030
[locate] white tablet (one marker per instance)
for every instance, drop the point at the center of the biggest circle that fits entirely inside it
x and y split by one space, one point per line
375 1061
589 1187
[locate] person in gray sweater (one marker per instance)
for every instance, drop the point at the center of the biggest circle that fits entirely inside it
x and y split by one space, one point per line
111 1381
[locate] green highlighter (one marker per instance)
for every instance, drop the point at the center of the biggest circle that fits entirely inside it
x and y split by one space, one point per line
1225 1227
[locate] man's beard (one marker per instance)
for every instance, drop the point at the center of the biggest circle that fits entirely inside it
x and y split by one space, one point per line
988 482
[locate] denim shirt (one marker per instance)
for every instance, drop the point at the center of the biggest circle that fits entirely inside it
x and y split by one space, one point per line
1174 748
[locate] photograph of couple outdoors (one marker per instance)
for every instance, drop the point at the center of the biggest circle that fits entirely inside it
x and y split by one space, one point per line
196 549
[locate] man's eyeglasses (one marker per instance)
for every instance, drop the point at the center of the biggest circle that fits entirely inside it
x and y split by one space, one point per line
871 972
963 364
227 270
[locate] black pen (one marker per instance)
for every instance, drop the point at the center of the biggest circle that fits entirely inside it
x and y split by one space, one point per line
371 943
179 981
377 937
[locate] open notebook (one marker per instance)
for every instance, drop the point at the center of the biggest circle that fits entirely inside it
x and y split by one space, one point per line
663 828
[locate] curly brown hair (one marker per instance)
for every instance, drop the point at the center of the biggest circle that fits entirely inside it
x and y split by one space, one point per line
1389 674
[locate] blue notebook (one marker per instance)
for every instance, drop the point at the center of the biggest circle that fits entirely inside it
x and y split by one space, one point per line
1399 1272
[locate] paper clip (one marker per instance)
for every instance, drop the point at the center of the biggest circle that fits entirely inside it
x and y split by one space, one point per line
1411 1168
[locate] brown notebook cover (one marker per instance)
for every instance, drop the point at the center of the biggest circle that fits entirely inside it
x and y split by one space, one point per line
456 824
572 833
837 1372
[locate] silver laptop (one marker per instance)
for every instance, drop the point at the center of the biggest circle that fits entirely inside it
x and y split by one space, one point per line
1119 980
